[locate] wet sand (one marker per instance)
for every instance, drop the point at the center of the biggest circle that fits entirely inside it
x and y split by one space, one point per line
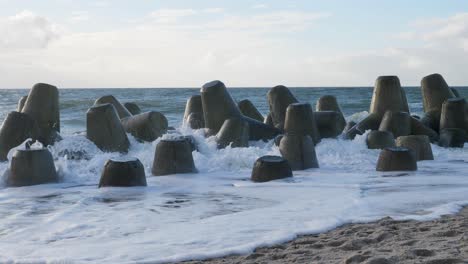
441 241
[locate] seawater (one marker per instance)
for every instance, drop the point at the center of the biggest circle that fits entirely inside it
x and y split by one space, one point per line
217 211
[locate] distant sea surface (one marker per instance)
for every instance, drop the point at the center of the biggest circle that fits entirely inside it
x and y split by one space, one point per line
171 101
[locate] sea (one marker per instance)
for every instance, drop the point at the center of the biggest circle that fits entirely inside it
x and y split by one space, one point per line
217 211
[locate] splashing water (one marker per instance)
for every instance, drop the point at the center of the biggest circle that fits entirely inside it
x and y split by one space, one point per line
217 211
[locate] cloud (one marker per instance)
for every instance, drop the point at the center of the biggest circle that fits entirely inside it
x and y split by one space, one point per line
27 30
213 10
100 3
280 21
171 15
260 6
187 47
431 45
79 16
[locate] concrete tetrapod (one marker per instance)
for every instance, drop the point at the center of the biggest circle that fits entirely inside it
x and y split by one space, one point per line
195 121
173 156
133 108
122 112
279 98
380 139
396 159
434 91
234 132
371 122
431 119
268 120
103 127
21 103
300 120
191 140
418 128
330 124
42 105
277 139
399 123
419 144
299 151
219 106
147 126
455 92
348 126
388 96
193 115
269 168
123 173
248 109
16 128
452 138
31 167
327 103
453 114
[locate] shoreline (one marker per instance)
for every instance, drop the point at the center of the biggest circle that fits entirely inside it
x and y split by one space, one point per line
440 241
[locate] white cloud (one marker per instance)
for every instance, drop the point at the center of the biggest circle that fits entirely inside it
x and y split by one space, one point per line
79 16
171 15
433 45
187 47
260 6
100 3
267 22
213 10
27 30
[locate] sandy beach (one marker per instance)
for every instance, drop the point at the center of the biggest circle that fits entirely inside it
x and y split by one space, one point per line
441 241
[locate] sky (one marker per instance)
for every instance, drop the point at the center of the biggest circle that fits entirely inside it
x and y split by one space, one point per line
244 43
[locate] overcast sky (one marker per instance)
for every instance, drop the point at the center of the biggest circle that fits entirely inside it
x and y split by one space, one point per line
181 43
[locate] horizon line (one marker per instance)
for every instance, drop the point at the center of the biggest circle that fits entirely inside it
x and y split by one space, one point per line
233 87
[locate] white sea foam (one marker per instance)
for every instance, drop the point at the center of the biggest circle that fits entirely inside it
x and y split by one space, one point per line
217 211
